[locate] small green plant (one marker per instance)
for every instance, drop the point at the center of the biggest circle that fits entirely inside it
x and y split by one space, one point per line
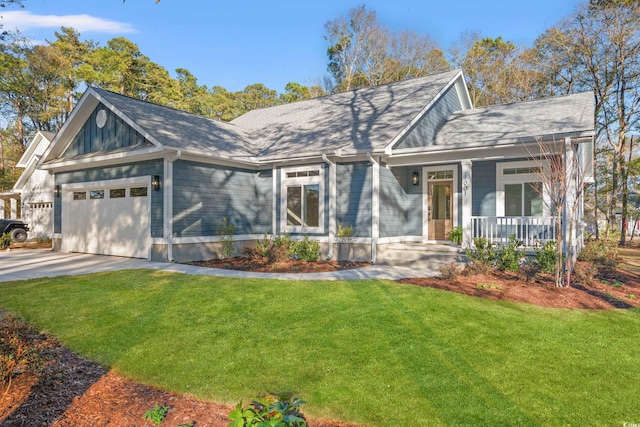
450 271
279 249
602 253
263 245
270 411
507 258
157 414
455 235
631 296
546 257
5 240
305 249
227 230
489 286
344 237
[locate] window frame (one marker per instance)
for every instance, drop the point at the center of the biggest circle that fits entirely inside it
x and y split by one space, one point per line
301 181
503 179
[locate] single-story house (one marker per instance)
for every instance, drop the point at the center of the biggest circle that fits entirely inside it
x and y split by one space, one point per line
402 163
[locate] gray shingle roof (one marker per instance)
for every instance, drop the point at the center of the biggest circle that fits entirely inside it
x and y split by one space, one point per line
180 129
363 119
520 121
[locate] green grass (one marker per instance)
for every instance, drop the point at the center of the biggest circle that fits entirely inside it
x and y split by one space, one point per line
372 352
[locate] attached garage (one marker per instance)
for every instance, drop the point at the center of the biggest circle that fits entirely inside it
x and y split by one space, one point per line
107 217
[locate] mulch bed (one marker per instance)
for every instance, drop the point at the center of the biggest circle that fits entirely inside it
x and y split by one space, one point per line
289 266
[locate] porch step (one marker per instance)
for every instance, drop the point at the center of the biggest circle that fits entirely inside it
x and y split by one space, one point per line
427 256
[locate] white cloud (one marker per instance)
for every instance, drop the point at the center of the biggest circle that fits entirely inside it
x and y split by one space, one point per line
24 20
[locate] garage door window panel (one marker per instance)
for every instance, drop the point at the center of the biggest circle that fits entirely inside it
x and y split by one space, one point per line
139 192
117 193
96 194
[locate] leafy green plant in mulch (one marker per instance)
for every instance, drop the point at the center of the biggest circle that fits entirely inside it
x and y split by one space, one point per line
450 271
273 410
156 414
545 258
351 348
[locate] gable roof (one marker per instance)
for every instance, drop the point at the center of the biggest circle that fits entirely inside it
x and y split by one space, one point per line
360 120
29 160
178 129
521 121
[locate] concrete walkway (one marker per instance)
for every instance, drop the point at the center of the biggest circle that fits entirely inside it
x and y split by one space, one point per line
30 264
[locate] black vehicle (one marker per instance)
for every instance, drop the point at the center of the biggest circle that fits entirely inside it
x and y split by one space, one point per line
16 228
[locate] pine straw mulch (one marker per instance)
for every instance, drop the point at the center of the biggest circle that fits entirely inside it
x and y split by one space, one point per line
610 289
263 265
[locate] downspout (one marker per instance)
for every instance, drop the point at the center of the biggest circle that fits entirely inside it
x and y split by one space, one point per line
168 203
375 207
332 203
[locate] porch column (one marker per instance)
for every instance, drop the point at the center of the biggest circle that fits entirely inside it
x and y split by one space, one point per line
14 208
1 208
467 204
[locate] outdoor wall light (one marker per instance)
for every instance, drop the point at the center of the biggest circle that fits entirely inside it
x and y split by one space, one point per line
415 178
155 182
56 191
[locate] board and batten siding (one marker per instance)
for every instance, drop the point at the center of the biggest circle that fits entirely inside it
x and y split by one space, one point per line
424 132
353 197
114 135
130 170
204 194
400 203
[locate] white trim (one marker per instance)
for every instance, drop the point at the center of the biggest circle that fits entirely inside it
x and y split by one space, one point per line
521 178
333 198
238 238
274 200
108 183
425 195
110 159
467 202
299 182
375 206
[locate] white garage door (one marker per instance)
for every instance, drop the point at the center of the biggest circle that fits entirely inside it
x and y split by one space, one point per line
109 219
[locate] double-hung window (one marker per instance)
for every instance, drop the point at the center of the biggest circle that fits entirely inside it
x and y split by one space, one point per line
302 199
519 188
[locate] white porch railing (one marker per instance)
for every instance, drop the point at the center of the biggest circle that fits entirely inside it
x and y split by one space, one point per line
531 230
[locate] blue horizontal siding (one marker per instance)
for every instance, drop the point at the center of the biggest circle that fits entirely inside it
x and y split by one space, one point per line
484 188
205 194
353 197
400 203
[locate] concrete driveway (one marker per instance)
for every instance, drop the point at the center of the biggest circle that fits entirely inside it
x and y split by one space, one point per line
34 263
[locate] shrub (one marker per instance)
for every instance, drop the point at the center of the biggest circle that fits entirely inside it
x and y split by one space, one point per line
279 251
455 235
481 257
546 257
344 234
5 240
529 270
226 230
305 249
584 272
507 258
263 245
449 271
272 411
602 253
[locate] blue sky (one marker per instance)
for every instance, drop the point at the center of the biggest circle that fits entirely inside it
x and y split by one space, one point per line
240 42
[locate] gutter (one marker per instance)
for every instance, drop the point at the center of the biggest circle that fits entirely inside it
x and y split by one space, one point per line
332 203
375 207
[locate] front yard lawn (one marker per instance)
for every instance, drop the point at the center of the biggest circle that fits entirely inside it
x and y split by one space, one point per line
373 352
